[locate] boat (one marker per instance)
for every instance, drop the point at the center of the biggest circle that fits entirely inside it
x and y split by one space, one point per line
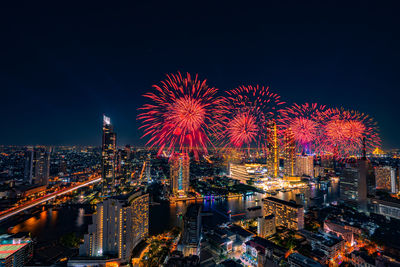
273 193
315 198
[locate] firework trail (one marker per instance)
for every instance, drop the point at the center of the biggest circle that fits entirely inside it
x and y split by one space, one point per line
179 116
245 112
346 130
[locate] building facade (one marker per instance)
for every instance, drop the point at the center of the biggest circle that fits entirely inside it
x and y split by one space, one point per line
289 155
266 226
37 165
179 174
385 177
353 184
191 236
108 157
287 213
304 165
273 150
119 224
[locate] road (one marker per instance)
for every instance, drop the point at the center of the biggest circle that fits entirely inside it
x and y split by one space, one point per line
32 203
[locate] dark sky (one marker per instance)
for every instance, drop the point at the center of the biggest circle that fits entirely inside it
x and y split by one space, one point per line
64 63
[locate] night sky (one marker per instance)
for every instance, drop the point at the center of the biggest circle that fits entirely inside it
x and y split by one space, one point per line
64 63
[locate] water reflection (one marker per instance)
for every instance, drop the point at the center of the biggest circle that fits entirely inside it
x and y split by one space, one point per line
53 223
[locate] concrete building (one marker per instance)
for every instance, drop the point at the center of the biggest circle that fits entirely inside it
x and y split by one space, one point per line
385 177
298 260
191 236
288 214
266 226
325 246
353 185
289 156
15 250
247 172
37 165
108 157
179 174
273 150
119 224
344 231
387 208
262 252
304 165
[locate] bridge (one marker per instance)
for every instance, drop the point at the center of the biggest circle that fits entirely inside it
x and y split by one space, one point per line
32 203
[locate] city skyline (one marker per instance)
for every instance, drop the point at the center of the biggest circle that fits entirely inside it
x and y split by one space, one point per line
61 90
165 134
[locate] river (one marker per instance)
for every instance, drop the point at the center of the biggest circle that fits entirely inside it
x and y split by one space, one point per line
49 225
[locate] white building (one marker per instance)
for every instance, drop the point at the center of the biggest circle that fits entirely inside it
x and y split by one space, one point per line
119 224
304 165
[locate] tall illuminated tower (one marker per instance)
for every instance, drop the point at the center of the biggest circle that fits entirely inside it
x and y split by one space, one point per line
119 225
108 157
179 173
37 165
289 154
273 154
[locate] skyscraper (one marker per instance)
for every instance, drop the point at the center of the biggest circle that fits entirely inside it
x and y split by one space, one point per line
119 224
289 155
190 243
273 153
108 157
37 165
179 174
386 178
28 170
353 185
304 165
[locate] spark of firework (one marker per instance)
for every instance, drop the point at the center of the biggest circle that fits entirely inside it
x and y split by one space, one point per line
246 111
346 130
305 123
182 108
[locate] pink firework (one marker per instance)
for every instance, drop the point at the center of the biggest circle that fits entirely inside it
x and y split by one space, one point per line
179 116
305 123
246 111
346 130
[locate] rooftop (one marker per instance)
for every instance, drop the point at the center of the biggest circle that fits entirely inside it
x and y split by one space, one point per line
287 203
298 258
9 249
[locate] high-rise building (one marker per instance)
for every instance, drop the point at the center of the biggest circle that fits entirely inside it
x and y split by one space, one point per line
353 184
29 168
266 226
288 214
289 155
386 178
119 224
148 168
108 157
273 152
37 165
190 243
179 174
15 250
305 165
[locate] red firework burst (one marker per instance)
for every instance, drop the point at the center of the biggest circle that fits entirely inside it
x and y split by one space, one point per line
178 118
246 111
305 123
346 130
